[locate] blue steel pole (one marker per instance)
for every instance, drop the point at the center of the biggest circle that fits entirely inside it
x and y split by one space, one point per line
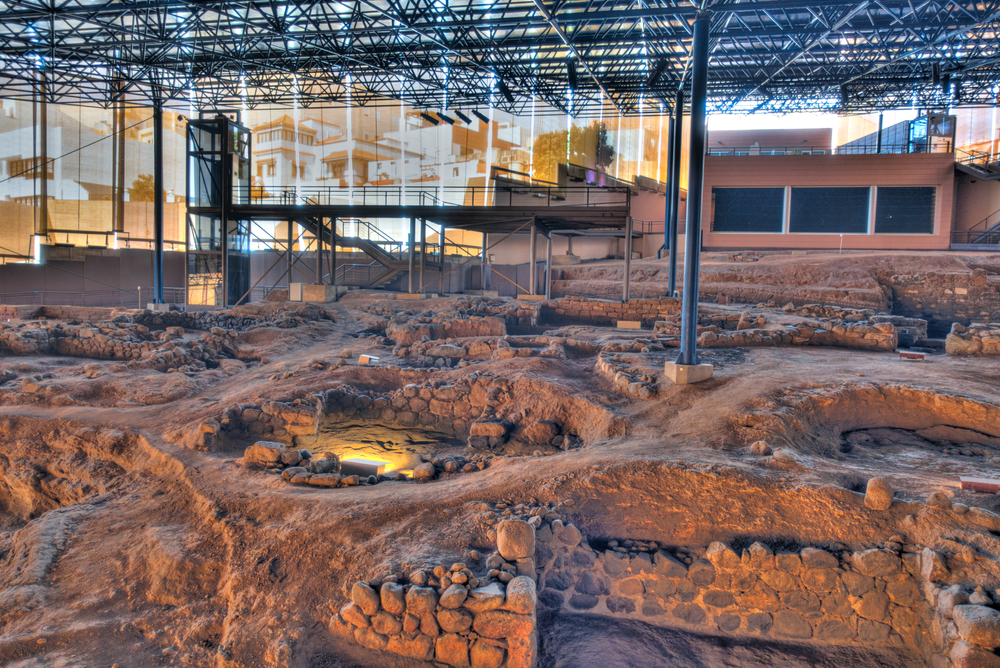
674 189
157 202
696 183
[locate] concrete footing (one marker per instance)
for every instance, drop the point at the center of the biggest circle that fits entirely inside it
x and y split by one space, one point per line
491 294
685 374
416 295
159 308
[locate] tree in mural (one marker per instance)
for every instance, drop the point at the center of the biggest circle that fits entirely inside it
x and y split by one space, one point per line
589 146
142 189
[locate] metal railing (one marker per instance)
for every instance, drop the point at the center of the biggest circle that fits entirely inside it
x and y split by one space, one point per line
979 159
848 149
438 195
986 231
97 298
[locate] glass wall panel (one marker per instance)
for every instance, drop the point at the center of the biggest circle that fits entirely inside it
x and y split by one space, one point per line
829 210
748 209
904 210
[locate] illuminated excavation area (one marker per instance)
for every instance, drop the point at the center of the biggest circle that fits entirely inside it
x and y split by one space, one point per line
508 486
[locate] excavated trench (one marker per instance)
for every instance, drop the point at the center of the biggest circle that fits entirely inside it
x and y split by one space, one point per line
399 447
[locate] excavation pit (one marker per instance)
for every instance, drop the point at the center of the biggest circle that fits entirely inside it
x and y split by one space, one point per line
400 448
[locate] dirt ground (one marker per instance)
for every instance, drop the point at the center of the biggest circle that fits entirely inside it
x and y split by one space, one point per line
121 546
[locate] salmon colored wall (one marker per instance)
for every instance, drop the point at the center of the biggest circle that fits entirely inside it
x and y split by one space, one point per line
927 169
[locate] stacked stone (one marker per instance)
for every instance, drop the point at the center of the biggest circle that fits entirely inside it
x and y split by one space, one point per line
450 615
510 347
569 310
449 349
513 312
824 333
636 345
626 379
911 331
229 320
828 312
947 297
466 623
274 418
977 339
405 329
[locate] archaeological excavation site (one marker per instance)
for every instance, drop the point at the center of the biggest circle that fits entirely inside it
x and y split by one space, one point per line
506 334
494 482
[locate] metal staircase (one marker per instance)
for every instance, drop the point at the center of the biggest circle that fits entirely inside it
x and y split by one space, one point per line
390 257
984 235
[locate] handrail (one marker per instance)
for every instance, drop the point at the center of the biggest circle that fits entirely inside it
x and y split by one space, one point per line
844 149
444 195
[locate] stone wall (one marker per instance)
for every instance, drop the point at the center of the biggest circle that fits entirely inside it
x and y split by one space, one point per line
945 298
473 408
577 310
839 333
118 339
625 378
898 595
448 616
978 339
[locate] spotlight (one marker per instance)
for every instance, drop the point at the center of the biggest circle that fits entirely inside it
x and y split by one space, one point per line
430 119
447 119
483 118
465 119
505 91
571 74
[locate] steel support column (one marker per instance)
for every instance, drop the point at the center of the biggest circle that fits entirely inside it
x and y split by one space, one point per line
486 262
333 251
674 189
158 203
413 233
878 139
423 250
671 177
548 267
532 259
43 162
628 259
319 250
696 181
441 259
288 256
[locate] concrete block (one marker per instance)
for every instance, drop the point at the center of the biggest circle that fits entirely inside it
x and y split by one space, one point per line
416 295
685 374
629 324
294 292
531 298
158 308
367 360
490 294
320 293
565 259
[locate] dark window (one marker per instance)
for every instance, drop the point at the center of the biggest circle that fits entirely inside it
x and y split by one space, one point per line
748 209
829 210
904 210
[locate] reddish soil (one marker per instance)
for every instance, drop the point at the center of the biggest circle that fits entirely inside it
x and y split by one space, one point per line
121 547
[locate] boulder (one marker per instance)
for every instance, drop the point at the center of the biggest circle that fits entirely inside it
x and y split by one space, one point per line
879 493
452 649
423 471
453 597
503 624
515 539
365 598
978 625
421 600
264 453
522 596
540 432
391 595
